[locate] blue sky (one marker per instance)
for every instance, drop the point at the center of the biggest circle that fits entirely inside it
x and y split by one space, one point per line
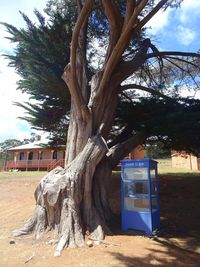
175 29
178 29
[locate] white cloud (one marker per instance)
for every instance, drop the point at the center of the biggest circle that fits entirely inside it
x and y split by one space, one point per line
185 92
5 45
159 21
185 35
10 126
10 10
190 4
162 18
10 14
188 8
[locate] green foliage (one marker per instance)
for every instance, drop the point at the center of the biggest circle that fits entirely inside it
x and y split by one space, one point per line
156 150
173 122
40 56
4 146
43 50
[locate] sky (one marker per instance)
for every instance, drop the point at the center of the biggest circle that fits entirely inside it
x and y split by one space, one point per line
174 29
10 126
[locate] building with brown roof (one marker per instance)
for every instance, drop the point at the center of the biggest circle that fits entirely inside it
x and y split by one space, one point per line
34 156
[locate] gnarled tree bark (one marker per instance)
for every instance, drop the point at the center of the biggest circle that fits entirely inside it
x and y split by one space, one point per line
74 199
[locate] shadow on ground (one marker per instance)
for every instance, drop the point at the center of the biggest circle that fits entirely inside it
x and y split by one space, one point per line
180 220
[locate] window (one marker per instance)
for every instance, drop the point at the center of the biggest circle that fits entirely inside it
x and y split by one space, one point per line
21 156
30 156
135 174
55 154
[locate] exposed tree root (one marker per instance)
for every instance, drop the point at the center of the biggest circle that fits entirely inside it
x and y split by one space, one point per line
64 201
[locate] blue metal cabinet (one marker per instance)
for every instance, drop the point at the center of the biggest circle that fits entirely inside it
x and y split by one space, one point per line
140 200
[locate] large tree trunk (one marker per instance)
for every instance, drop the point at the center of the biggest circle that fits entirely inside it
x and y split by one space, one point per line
73 200
64 200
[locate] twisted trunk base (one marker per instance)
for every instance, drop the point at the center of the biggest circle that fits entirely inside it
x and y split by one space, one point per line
65 201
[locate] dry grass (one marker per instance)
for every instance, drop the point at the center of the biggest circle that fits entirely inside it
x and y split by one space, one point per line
21 174
165 167
178 245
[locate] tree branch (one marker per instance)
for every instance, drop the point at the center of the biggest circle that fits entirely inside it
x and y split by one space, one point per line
143 88
130 6
127 97
172 53
70 72
126 68
121 150
115 21
82 18
184 61
125 134
120 46
183 70
150 15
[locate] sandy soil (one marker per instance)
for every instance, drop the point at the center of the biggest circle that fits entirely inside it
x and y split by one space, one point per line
178 245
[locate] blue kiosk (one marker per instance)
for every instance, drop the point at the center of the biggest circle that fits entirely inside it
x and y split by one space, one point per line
140 201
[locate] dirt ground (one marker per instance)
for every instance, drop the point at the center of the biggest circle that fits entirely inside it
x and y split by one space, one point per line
177 245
